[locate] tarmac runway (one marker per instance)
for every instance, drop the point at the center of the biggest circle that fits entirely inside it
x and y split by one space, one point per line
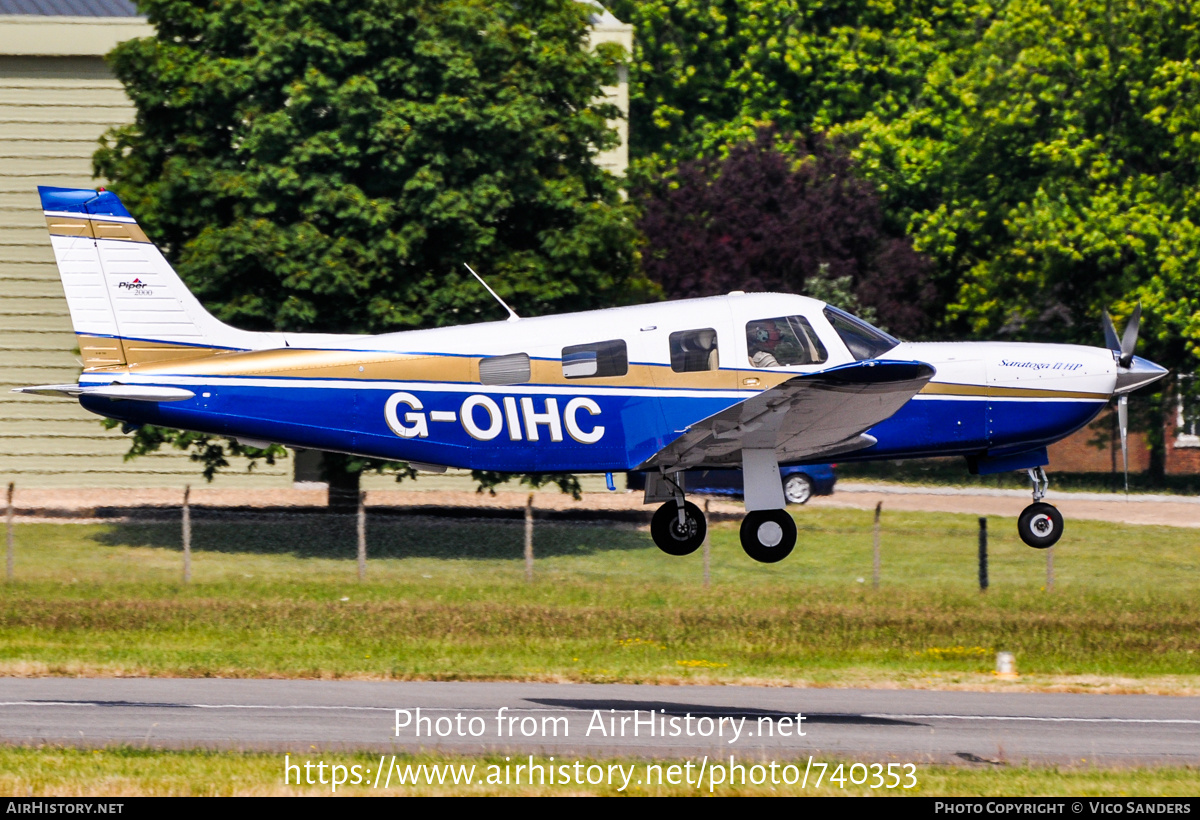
600 719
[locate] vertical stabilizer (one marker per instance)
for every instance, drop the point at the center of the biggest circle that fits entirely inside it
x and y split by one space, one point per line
128 306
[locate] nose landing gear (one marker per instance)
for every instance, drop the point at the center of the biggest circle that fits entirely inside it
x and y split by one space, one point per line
1040 525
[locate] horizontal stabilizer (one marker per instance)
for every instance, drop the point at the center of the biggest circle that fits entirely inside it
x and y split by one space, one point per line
116 392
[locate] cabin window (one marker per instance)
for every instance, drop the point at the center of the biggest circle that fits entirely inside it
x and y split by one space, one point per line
863 340
783 342
593 361
511 369
693 350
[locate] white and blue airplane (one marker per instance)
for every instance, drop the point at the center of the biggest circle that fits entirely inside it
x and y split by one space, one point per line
743 380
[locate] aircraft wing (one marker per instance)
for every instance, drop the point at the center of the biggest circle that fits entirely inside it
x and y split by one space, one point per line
812 415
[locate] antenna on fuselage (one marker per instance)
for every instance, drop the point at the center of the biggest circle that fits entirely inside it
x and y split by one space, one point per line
512 314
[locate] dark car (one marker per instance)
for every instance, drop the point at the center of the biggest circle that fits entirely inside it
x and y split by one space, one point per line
799 483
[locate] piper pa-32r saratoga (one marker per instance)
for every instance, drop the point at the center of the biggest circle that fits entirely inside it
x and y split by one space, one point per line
744 380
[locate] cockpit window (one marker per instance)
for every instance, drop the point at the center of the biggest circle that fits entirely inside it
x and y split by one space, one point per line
863 340
783 342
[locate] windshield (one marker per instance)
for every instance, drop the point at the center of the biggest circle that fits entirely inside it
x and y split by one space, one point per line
863 340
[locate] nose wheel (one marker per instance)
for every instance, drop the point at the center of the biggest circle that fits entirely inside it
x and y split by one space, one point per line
1040 525
768 535
678 530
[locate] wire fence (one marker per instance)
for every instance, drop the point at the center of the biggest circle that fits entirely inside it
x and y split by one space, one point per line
498 533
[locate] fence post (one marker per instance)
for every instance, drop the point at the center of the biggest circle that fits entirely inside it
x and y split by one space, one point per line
8 520
983 566
1050 569
362 534
187 534
875 564
707 550
529 538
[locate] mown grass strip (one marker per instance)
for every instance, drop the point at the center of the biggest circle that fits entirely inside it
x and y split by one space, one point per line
448 600
129 772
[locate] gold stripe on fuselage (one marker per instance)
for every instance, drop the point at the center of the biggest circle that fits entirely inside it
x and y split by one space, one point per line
997 392
298 363
106 353
95 229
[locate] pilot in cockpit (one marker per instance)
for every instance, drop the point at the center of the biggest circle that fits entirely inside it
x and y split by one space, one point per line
761 340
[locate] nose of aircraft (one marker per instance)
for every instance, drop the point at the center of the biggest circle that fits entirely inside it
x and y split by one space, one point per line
1139 373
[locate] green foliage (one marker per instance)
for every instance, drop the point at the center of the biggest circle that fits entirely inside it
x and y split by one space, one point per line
1043 153
212 452
1052 166
708 72
312 166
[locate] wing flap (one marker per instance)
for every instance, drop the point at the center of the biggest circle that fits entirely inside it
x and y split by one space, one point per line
814 414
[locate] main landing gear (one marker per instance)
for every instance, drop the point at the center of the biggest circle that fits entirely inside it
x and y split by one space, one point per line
678 527
1040 525
768 533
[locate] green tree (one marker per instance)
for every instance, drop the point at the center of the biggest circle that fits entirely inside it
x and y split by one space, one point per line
1052 168
318 166
708 73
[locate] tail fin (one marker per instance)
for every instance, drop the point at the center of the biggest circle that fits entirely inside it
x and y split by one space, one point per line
128 306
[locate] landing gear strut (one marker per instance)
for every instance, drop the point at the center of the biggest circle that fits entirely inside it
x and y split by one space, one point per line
1040 525
768 532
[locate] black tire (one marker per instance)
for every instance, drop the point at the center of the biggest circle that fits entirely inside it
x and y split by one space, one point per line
667 534
1040 525
797 488
765 543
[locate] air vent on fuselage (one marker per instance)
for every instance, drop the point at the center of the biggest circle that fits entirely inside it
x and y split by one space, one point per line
511 369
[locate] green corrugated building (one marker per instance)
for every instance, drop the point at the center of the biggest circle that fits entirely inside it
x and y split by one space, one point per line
57 97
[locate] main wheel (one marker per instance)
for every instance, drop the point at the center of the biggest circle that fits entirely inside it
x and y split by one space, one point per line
672 538
797 489
768 535
1040 525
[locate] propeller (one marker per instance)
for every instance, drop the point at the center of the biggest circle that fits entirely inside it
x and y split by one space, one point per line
1132 373
1125 345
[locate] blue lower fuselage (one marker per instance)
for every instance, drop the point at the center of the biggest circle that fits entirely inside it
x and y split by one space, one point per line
534 430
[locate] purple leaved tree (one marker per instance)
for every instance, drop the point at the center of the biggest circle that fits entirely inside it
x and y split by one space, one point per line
784 213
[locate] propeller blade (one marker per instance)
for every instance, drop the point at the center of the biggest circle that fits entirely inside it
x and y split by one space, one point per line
1129 340
1111 341
1123 422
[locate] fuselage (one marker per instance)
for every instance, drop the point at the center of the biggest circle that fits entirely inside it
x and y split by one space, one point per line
603 390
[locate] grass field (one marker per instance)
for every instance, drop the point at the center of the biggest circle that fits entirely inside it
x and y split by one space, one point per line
448 600
123 771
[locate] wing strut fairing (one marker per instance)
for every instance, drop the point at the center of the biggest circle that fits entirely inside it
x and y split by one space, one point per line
814 415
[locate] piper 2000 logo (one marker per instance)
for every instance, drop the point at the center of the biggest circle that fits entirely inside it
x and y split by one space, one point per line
521 421
137 287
